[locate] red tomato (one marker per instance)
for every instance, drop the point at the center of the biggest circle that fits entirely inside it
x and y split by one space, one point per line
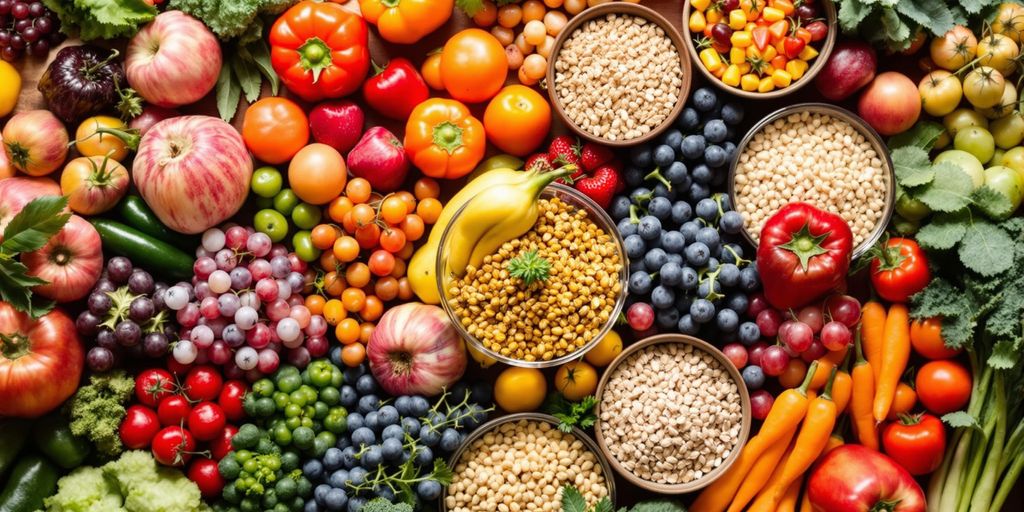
899 270
207 477
221 445
206 421
274 129
943 386
40 361
203 383
139 426
173 411
926 338
230 399
916 442
175 367
153 386
852 478
173 446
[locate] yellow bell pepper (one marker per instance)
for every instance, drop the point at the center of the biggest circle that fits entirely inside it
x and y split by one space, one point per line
781 78
741 39
737 55
737 20
697 22
771 14
796 68
749 82
731 76
711 59
700 5
406 21
766 85
807 53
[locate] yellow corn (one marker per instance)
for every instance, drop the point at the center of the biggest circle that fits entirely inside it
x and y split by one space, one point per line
749 82
714 16
766 85
731 76
771 14
700 5
697 22
737 20
749 27
769 53
781 78
796 68
745 68
807 53
737 55
753 52
741 39
711 59
719 72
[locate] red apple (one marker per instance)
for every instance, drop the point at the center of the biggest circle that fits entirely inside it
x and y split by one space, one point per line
891 104
338 124
174 60
18 191
193 171
850 66
71 262
853 478
415 349
151 115
379 158
36 142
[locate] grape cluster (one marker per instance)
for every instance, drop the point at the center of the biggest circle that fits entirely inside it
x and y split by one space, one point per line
27 28
125 317
686 258
392 449
245 305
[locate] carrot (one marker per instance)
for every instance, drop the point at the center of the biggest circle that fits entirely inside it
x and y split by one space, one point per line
810 441
805 502
872 321
783 419
825 365
894 359
863 398
834 441
903 402
842 389
791 498
761 473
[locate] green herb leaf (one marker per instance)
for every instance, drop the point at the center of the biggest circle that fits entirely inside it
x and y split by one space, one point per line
261 57
957 310
442 473
571 414
605 505
248 75
895 31
922 135
944 230
229 92
912 166
932 14
949 191
961 419
16 288
1004 355
529 267
572 500
986 249
39 220
851 14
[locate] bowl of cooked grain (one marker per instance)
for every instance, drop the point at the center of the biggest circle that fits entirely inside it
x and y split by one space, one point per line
548 321
818 154
672 414
618 74
521 462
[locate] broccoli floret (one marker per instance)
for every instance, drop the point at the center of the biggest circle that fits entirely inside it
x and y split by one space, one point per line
230 18
383 505
658 505
97 409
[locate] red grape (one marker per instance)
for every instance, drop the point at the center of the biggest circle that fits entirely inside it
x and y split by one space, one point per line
811 315
796 335
843 308
768 322
640 316
815 351
774 361
754 353
721 33
761 403
835 335
736 353
757 304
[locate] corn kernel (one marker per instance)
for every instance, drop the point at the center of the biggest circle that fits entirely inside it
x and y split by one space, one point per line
769 53
745 68
781 78
737 20
741 39
731 76
697 22
807 53
766 85
737 55
700 5
771 14
711 59
796 68
749 82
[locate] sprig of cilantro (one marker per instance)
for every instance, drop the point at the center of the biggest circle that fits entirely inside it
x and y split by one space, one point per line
571 414
573 501
28 231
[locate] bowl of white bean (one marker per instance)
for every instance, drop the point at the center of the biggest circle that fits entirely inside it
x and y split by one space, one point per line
818 154
672 414
521 462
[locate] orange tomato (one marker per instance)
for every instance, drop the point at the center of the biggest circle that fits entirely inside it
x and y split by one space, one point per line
323 236
926 338
317 174
93 184
347 331
315 304
902 403
517 120
353 355
89 141
473 65
431 70
339 207
275 129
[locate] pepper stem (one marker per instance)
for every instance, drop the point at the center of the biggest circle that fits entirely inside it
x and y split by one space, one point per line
811 370
377 69
805 245
315 56
448 136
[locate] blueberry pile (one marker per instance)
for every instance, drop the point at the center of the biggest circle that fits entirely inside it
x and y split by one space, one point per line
687 265
392 448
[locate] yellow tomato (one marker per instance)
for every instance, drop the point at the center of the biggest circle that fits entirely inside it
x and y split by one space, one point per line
431 70
520 389
605 351
484 360
89 141
10 87
576 380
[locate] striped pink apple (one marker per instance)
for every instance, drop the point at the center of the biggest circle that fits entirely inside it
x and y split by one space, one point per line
174 60
415 350
193 171
35 142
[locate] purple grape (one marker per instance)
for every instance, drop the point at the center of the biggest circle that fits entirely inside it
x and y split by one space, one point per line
140 282
721 33
155 344
5 7
141 309
36 9
104 285
19 11
87 324
106 338
241 278
298 356
280 266
5 38
10 53
158 298
43 25
21 25
119 269
806 12
233 336
128 333
100 359
730 5
99 303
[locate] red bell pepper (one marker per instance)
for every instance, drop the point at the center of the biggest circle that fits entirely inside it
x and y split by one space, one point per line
320 50
395 89
803 253
899 269
853 478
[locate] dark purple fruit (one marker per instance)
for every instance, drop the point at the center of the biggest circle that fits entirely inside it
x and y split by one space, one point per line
100 359
721 33
81 81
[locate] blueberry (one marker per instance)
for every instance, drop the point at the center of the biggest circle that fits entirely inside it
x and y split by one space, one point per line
701 173
749 280
336 500
620 208
429 489
411 426
753 377
732 113
671 274
640 156
354 421
384 492
635 247
709 287
727 320
402 405
699 191
475 415
314 469
429 436
391 450
372 421
655 258
715 156
393 432
338 478
676 258
681 212
334 355
667 318
686 325
749 333
419 406
731 222
689 279
697 254
363 436
737 302
688 120
676 173
320 493
712 264
714 131
729 275
332 459
348 457
663 155
368 403
672 138
704 99
640 283
660 207
349 396
389 415
637 265
357 476
730 150
702 311
673 242
436 418
641 195
450 440
707 209
356 504
366 385
660 190
372 457
649 228
353 374
626 227
633 176
692 147
424 456
709 236
662 297
689 231
731 253
481 393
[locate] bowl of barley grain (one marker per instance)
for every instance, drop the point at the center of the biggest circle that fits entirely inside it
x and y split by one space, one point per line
672 414
549 321
618 74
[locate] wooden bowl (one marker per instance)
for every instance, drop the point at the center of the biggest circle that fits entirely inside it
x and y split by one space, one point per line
745 421
819 62
628 9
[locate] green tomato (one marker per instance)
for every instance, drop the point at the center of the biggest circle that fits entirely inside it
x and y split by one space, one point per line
281 399
292 411
910 208
272 223
293 423
903 226
336 421
1014 159
298 398
330 396
1008 131
303 438
966 162
943 141
320 410
265 407
1007 182
285 201
303 243
962 118
290 461
289 382
266 182
998 156
282 436
306 216
319 373
263 387
976 141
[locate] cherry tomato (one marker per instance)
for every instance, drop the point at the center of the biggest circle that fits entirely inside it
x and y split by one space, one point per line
426 187
203 383
368 235
206 421
517 120
274 129
392 240
207 477
221 445
818 30
152 386
392 209
232 394
346 249
347 331
943 386
317 174
413 227
174 410
173 446
926 338
358 190
353 354
916 442
139 426
323 236
381 262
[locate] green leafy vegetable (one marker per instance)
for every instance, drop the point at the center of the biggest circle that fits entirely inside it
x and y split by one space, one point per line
573 501
383 505
912 166
922 135
473 7
29 230
231 19
97 409
985 249
571 414
894 24
101 19
949 191
944 231
529 267
245 68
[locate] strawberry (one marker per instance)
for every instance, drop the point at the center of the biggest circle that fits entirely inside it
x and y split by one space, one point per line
540 162
564 151
593 155
601 185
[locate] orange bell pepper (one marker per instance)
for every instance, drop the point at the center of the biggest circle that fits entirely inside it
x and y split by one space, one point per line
406 21
443 139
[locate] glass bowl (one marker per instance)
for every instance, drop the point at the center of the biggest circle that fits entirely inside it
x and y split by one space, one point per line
600 218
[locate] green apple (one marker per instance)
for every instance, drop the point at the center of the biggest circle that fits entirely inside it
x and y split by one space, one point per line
976 141
271 222
966 162
1007 182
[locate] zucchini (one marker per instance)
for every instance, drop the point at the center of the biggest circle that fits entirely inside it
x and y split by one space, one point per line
157 256
33 480
137 214
12 434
